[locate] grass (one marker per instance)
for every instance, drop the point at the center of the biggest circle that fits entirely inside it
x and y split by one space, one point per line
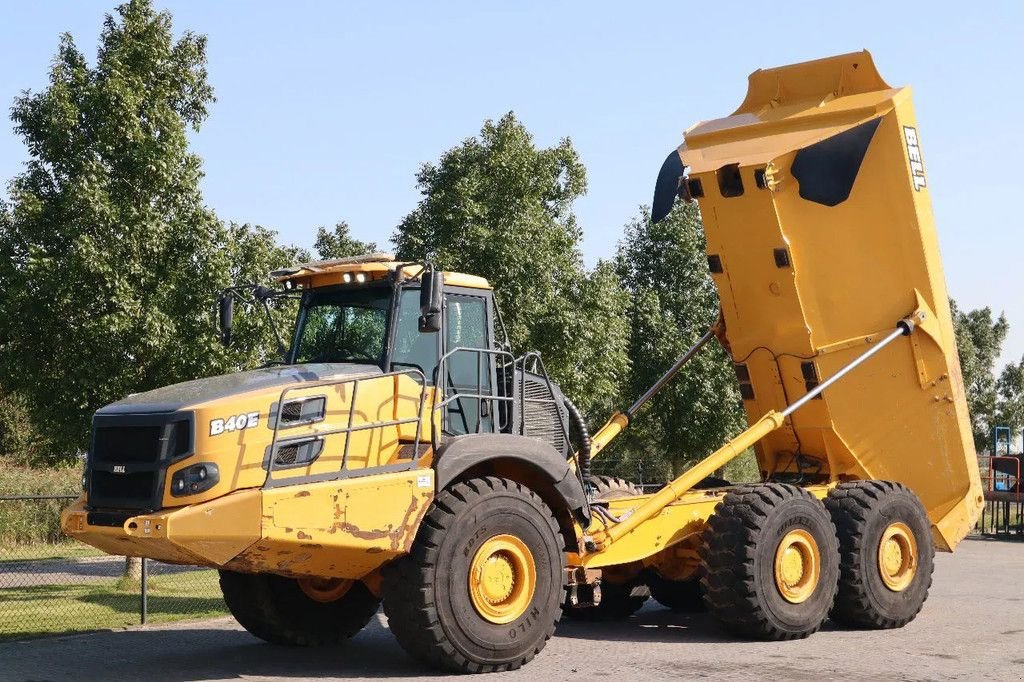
34 521
52 609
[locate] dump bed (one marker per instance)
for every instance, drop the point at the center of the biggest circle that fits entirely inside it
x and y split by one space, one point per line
820 236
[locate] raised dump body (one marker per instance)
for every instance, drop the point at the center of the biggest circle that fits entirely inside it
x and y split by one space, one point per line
820 236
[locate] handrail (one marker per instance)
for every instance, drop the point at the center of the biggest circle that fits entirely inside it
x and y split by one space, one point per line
518 393
349 428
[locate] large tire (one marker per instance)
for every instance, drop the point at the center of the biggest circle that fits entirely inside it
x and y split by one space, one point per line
612 487
441 616
683 596
872 594
277 610
770 559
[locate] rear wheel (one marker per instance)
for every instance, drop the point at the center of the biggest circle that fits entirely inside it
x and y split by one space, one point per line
887 555
298 612
612 487
483 587
771 562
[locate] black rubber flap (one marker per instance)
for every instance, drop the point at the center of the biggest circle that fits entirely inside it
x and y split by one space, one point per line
666 187
827 170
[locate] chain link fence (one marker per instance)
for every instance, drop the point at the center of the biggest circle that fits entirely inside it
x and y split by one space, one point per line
50 584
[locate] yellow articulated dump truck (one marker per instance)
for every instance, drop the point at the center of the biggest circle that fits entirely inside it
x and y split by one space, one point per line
402 453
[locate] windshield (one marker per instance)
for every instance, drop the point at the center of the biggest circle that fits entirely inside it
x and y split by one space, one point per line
344 325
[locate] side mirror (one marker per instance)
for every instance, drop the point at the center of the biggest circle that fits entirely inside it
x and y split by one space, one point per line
431 286
226 310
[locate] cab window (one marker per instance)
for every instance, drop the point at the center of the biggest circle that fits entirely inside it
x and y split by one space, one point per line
413 349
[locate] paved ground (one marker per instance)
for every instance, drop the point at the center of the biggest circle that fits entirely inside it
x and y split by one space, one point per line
73 571
971 628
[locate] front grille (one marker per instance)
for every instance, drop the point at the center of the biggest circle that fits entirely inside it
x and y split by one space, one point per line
128 457
136 486
127 443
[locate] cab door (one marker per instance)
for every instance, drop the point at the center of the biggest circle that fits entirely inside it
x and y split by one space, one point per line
469 374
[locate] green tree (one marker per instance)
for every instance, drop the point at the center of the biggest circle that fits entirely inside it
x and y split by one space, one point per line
979 339
338 243
500 207
109 260
1010 405
673 303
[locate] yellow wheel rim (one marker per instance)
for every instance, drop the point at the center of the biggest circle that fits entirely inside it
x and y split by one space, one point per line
324 590
897 557
502 579
797 566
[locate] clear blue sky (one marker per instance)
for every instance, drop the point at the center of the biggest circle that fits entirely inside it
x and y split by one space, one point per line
325 110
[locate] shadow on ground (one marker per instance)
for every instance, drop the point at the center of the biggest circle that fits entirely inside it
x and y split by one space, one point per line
217 650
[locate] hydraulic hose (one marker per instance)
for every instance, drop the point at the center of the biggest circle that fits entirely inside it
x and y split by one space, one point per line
580 423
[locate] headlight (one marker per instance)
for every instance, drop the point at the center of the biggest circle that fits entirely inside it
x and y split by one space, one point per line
194 479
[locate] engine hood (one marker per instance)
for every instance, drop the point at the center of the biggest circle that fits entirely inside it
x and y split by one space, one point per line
191 393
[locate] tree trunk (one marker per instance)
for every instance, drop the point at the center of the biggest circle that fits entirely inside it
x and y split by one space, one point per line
133 568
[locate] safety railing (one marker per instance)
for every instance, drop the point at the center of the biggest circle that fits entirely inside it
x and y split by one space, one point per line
1001 474
487 378
505 384
1003 513
350 427
540 370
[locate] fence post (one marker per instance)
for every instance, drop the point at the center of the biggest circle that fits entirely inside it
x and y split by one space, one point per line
144 606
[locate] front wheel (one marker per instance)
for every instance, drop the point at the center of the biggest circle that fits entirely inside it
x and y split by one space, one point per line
484 584
298 612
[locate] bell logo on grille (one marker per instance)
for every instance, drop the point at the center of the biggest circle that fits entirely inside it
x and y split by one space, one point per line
119 469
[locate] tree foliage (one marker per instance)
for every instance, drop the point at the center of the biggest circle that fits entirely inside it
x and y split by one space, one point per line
1010 405
979 338
339 243
500 207
673 303
109 260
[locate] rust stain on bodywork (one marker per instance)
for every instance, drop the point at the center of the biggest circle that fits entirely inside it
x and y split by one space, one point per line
400 536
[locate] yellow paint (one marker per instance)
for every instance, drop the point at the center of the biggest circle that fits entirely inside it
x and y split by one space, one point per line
615 425
897 556
855 268
675 524
336 529
677 488
797 566
502 579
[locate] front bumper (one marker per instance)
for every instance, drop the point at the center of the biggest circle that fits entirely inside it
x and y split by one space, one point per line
339 529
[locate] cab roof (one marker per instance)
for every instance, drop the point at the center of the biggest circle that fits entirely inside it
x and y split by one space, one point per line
380 265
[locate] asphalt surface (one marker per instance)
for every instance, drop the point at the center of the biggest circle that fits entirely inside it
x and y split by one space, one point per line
971 628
